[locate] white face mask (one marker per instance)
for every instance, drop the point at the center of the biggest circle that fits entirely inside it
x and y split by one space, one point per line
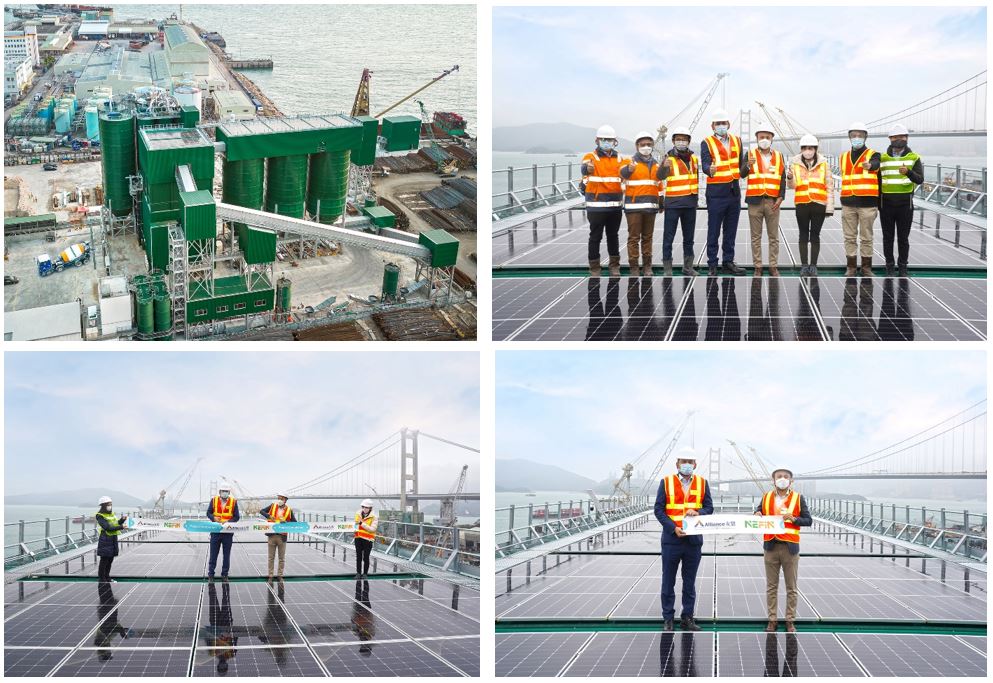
765 143
782 483
645 150
224 495
110 508
808 153
280 503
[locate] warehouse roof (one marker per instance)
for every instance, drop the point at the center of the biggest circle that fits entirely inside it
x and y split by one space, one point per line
181 35
94 28
232 98
290 124
174 138
61 321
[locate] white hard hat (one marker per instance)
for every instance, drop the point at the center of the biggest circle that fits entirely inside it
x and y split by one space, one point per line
858 125
763 127
898 129
644 134
680 130
686 453
720 115
367 503
808 140
282 495
104 500
606 131
224 487
786 469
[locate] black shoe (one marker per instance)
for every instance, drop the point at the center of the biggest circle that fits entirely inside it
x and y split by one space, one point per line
668 625
687 624
712 270
359 575
903 271
890 269
732 268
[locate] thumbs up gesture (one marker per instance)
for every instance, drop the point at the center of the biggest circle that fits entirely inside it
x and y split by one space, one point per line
631 166
865 165
903 170
789 173
667 163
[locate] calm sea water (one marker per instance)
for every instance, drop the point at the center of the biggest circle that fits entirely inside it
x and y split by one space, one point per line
319 51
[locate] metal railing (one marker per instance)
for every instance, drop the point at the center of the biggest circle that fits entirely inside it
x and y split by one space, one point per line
555 521
531 187
38 539
957 532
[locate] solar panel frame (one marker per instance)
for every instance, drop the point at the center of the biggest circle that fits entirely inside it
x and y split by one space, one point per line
536 654
914 655
783 654
636 654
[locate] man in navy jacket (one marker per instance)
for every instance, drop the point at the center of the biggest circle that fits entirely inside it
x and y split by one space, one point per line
681 494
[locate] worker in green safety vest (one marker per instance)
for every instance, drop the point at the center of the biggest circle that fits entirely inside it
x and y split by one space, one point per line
900 172
110 528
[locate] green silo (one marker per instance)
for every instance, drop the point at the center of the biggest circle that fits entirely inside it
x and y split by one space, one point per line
117 158
391 281
146 311
286 185
283 298
243 183
328 185
162 307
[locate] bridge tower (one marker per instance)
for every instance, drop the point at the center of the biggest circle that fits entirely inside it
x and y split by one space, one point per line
408 469
745 127
714 454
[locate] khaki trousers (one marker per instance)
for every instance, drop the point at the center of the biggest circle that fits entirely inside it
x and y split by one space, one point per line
856 226
641 228
277 543
780 557
757 213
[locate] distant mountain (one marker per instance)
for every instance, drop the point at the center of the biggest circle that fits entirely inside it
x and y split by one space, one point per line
526 475
554 137
77 497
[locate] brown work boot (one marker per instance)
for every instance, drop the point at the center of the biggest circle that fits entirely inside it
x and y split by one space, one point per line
850 263
646 266
771 626
757 272
866 266
594 268
790 628
615 266
773 271
633 269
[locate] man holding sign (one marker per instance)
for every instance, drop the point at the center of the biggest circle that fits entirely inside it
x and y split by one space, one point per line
685 494
782 550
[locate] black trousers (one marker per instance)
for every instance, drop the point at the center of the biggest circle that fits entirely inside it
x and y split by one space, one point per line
896 218
363 555
810 219
103 568
604 222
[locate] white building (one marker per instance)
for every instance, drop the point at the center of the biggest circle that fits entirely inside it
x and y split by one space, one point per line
93 30
18 72
22 44
186 53
233 104
61 322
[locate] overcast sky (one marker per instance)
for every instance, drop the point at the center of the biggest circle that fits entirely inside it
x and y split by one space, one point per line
133 421
638 67
590 412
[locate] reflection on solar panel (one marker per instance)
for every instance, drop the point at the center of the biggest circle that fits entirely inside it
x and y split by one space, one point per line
599 612
739 309
154 626
535 307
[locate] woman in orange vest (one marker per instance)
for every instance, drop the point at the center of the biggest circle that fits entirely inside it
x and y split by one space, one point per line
782 551
222 508
365 534
809 176
604 199
642 179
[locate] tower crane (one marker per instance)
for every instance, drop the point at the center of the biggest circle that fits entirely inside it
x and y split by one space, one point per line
396 104
382 503
772 122
187 474
252 504
622 487
748 467
708 94
448 515
646 489
760 460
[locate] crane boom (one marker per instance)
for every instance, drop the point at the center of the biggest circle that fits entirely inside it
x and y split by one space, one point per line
423 87
707 93
668 451
361 105
747 466
775 124
706 101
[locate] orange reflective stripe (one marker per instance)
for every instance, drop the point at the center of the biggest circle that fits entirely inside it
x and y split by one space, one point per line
684 179
277 515
856 182
676 505
766 180
642 182
359 531
606 176
728 162
792 504
810 187
223 512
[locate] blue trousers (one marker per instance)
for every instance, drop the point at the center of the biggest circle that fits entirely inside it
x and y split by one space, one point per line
216 542
672 556
687 218
722 215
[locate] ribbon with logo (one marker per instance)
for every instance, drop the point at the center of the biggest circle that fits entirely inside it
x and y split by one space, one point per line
696 525
206 526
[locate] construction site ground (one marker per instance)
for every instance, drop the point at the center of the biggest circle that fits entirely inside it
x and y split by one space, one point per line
41 185
404 189
76 282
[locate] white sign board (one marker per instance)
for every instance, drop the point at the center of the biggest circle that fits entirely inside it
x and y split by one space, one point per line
733 524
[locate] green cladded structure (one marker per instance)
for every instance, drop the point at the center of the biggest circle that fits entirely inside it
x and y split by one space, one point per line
292 166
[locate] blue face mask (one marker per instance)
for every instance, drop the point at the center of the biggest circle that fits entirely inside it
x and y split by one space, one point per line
858 143
721 130
607 145
686 469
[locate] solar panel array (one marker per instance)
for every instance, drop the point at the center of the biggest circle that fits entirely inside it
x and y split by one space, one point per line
561 240
577 596
160 627
739 309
